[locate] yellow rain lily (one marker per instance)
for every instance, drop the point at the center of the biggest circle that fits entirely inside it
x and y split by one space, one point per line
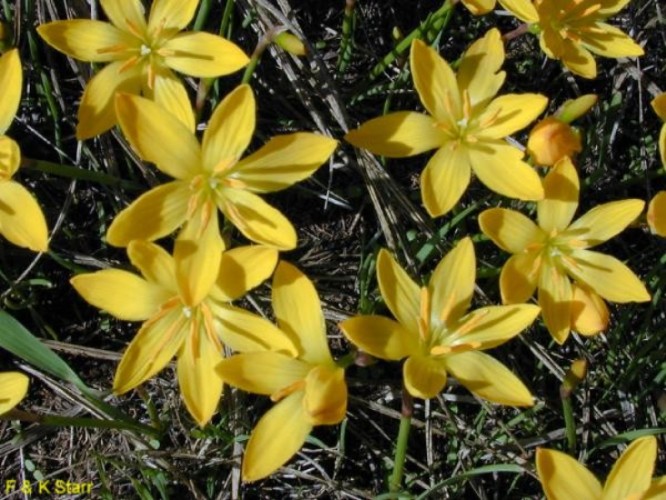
21 219
656 214
466 124
437 334
548 256
307 386
211 176
195 333
659 106
573 30
564 478
142 56
13 388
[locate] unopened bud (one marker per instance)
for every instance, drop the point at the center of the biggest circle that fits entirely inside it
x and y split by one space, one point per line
290 43
574 376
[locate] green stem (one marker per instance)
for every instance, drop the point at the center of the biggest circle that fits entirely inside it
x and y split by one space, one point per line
347 42
202 15
569 422
263 42
226 17
395 481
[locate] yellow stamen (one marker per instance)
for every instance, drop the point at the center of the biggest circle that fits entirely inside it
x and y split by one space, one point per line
472 322
234 183
130 63
299 385
467 105
443 350
448 307
209 327
134 29
114 48
424 315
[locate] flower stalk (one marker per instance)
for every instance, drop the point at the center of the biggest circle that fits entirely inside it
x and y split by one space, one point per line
395 481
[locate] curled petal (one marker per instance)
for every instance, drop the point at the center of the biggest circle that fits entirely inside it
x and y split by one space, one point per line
21 219
203 55
325 398
589 313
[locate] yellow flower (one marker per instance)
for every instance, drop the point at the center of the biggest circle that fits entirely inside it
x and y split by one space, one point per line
656 214
21 220
549 255
142 57
466 124
172 326
437 335
211 176
479 7
572 30
308 387
13 388
659 106
564 478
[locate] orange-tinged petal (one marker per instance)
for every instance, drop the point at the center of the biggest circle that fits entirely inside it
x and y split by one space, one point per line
607 276
128 15
632 473
522 9
256 219
510 113
88 40
152 215
325 398
657 489
398 135
381 337
97 112
401 294
609 41
242 269
445 179
551 140
561 187
519 277
230 130
13 388
203 55
479 73
298 313
488 378
21 219
155 264
555 296
479 7
159 136
589 313
603 222
659 105
11 83
10 157
171 14
199 383
510 230
124 295
424 376
656 213
435 83
169 93
283 161
563 478
277 437
500 167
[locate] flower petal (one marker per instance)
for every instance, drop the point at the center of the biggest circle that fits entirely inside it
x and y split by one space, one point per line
551 140
488 378
659 106
256 219
562 477
155 264
152 215
510 113
169 93
519 277
424 376
11 83
555 296
298 313
277 437
445 179
242 269
522 9
500 167
561 187
401 294
171 14
589 313
479 7
398 135
13 388
656 213
510 230
609 41
21 219
381 337
662 145
203 55
603 222
325 398
479 71
128 15
10 157
159 136
124 295
284 161
229 130
574 56
657 489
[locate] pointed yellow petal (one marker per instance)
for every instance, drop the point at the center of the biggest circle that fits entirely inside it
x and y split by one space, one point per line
563 478
256 219
435 83
510 113
155 264
381 337
574 56
445 179
424 376
171 14
612 42
659 105
325 398
11 83
124 295
510 230
561 187
283 161
152 215
298 313
488 378
611 7
199 383
88 40
264 373
10 158
21 219
398 135
478 72
277 437
169 93
555 297
155 344
522 9
128 15
657 489
401 294
500 167
589 313
242 269
230 129
452 283
159 137
656 214
603 222
13 388
607 276
519 277
662 144
479 7
203 55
